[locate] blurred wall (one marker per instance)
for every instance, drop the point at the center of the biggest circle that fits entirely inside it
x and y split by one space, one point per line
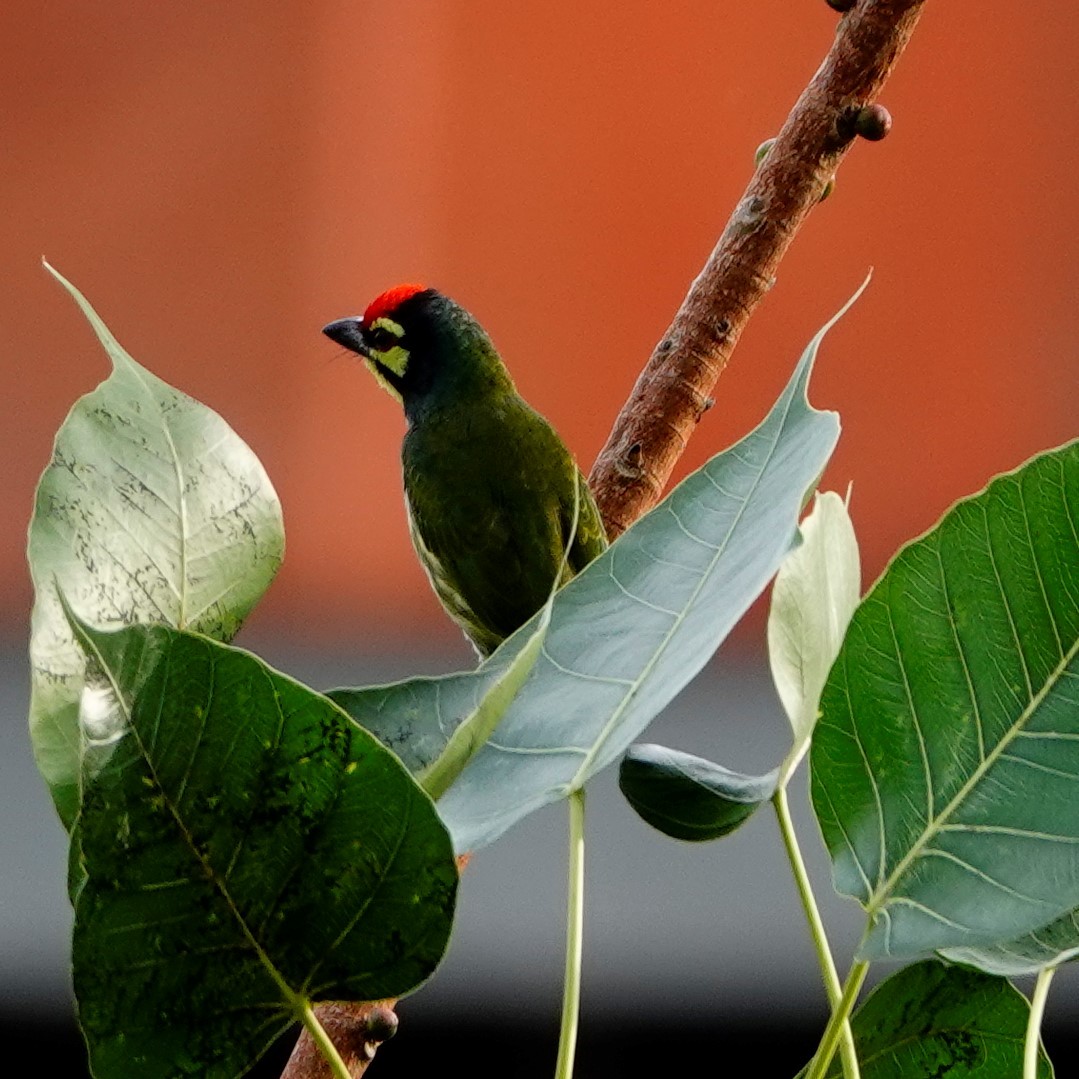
221 180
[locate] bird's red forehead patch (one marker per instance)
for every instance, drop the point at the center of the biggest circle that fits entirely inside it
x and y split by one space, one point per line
389 301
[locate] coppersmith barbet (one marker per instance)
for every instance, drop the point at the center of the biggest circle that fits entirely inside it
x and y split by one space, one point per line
491 490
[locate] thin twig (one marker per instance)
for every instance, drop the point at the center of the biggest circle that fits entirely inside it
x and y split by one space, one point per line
673 391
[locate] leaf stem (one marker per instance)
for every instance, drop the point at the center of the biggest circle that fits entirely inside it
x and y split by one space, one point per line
1034 1023
571 990
840 1014
322 1040
816 927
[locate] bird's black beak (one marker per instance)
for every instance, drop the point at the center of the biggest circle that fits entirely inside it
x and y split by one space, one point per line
348 332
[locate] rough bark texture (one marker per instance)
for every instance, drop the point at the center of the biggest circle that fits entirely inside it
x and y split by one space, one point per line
673 391
356 1030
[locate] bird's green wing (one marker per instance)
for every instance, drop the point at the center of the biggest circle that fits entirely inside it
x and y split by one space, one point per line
590 538
490 497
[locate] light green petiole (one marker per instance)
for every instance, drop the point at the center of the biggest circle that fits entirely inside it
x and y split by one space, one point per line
1034 1023
322 1040
816 928
840 1014
571 990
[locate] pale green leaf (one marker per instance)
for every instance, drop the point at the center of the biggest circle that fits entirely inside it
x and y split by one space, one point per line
813 598
476 728
1048 946
152 509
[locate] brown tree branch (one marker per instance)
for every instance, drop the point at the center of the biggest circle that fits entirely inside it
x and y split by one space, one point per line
673 391
356 1031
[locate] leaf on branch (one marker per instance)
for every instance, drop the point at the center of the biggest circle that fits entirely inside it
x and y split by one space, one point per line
687 797
472 733
945 767
152 509
815 593
1048 946
242 849
933 1020
626 634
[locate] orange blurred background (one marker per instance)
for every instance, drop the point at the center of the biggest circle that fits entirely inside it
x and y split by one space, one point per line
221 180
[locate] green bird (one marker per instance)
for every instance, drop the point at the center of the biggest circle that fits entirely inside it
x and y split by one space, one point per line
491 490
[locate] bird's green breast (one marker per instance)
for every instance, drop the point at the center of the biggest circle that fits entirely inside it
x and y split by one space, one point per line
492 492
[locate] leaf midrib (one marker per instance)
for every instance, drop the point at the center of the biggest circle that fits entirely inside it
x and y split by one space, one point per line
120 357
291 998
881 895
583 772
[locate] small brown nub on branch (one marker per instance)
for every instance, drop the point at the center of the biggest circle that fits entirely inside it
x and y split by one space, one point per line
629 463
873 122
357 1030
791 175
381 1023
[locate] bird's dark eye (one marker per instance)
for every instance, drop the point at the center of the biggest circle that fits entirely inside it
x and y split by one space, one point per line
381 339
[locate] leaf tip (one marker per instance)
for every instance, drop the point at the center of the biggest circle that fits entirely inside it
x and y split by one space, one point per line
104 335
847 306
55 272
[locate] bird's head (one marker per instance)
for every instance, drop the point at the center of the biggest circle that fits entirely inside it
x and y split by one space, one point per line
419 343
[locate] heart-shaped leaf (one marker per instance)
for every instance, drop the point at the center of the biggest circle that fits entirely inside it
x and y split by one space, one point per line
932 1020
152 509
626 634
687 797
945 767
242 849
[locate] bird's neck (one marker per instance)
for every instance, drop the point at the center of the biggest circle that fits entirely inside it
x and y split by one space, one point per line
483 378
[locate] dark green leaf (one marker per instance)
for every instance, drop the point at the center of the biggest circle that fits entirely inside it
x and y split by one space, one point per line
687 797
945 767
151 510
930 1021
626 634
242 848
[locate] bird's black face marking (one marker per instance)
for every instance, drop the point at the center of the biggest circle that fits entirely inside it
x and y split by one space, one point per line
380 344
421 348
381 339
